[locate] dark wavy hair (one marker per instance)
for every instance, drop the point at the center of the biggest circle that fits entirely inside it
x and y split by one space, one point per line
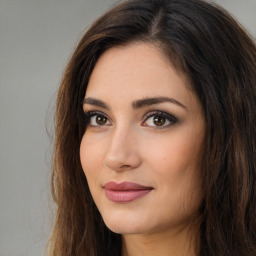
219 58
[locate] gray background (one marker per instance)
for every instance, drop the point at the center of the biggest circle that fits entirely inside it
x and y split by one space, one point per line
36 40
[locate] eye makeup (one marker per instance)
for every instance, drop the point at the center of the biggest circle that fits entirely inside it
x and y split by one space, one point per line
153 119
159 119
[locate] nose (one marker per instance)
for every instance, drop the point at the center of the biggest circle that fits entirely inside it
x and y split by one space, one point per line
122 153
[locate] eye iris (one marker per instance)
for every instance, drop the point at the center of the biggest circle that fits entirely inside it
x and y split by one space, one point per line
101 120
159 120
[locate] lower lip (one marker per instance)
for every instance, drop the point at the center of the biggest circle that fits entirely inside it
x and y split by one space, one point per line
124 196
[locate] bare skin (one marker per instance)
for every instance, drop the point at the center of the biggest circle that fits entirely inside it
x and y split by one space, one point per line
174 243
146 127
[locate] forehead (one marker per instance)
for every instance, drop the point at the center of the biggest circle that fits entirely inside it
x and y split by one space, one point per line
135 71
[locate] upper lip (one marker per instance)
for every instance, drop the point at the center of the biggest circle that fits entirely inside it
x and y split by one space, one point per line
124 186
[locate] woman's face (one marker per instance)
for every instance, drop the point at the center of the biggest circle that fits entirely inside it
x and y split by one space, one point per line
142 148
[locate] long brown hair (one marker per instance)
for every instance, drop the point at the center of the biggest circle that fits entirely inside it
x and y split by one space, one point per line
219 58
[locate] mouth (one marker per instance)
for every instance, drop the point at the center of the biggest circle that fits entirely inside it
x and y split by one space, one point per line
125 192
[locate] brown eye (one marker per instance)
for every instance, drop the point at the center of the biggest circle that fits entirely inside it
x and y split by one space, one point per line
101 120
96 119
159 120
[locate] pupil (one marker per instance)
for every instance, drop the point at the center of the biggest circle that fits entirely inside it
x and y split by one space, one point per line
101 120
159 120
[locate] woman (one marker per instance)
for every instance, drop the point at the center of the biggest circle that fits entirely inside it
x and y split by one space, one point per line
155 135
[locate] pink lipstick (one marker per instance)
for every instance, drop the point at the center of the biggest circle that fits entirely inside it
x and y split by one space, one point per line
125 192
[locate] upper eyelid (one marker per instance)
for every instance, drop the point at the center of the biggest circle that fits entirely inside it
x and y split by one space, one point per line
171 119
92 113
159 112
96 112
145 116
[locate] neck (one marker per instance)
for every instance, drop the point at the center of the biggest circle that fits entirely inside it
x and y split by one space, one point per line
175 242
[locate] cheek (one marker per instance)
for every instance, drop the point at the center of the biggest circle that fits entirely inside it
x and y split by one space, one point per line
89 157
173 153
85 154
90 160
175 165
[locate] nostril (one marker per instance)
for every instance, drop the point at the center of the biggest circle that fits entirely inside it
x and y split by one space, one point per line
121 154
122 163
125 166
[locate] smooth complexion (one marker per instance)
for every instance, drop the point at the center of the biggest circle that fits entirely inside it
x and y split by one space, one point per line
145 128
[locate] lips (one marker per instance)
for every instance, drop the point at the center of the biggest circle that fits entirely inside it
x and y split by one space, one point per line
125 191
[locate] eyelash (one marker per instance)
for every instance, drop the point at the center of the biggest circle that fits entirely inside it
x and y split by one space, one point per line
89 114
167 117
170 118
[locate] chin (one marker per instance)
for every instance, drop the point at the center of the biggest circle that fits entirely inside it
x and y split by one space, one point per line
122 225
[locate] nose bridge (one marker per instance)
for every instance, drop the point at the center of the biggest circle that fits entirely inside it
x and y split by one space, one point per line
121 153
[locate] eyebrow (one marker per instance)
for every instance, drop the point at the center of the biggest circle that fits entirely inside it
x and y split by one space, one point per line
156 100
137 103
95 102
